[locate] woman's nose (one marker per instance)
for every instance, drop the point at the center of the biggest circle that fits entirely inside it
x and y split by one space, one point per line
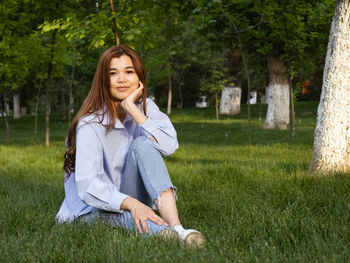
120 77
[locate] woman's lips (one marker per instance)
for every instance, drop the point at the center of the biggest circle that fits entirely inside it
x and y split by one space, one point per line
122 88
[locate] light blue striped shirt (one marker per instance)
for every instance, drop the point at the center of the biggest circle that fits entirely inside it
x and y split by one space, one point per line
101 156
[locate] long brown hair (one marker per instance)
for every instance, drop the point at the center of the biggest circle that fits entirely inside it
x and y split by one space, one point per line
99 98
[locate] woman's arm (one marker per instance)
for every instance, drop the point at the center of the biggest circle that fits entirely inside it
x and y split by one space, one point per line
140 213
93 184
156 126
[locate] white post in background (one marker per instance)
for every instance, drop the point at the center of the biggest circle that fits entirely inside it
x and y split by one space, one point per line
16 107
230 102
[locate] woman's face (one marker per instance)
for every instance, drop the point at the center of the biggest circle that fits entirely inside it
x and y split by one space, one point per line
123 77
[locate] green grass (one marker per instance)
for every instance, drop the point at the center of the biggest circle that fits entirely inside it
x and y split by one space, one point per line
253 203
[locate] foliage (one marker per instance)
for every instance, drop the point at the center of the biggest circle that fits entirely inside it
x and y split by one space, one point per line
197 30
15 45
216 80
287 29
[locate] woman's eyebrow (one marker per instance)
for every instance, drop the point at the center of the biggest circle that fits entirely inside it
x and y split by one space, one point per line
125 68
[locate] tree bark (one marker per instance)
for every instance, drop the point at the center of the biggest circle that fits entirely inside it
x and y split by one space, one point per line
16 106
63 101
71 103
260 105
117 40
248 97
6 114
332 133
291 103
48 88
37 107
217 105
278 97
170 93
181 105
246 72
290 76
71 95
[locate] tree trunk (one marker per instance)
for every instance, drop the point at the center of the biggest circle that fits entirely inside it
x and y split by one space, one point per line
332 133
248 80
16 106
71 103
247 76
290 75
181 105
170 94
291 103
217 105
63 101
71 96
36 108
260 106
6 114
277 115
115 28
48 88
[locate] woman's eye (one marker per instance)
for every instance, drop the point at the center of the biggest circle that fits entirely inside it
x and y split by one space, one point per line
129 71
111 73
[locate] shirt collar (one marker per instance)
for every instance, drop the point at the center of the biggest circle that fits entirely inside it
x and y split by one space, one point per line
118 124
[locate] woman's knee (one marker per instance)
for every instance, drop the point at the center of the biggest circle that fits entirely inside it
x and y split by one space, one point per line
141 145
140 141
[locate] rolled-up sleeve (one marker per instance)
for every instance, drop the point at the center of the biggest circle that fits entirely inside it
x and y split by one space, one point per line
93 185
159 130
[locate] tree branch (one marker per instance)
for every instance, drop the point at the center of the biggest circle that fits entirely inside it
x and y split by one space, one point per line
117 41
246 29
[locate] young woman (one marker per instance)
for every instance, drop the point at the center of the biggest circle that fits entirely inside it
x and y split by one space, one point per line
114 171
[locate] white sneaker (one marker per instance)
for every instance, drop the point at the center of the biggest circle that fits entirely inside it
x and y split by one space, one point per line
189 237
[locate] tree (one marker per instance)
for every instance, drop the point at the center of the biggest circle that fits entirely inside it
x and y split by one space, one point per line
277 115
169 12
15 50
332 133
239 27
288 37
216 81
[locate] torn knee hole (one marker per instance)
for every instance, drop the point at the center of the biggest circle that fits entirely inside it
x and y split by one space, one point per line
157 201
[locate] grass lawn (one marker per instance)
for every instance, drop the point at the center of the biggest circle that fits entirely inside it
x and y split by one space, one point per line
253 203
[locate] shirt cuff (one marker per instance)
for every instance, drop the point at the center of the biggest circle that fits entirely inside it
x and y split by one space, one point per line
121 200
147 126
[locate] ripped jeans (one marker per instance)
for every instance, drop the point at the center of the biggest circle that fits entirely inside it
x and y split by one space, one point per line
145 178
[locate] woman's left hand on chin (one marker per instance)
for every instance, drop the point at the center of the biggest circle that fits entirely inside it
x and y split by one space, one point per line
132 98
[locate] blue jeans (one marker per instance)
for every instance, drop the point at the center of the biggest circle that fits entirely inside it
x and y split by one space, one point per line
145 178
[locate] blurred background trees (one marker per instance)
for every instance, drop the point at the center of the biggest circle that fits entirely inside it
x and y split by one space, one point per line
49 50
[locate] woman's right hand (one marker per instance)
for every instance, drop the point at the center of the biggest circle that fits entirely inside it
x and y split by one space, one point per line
140 213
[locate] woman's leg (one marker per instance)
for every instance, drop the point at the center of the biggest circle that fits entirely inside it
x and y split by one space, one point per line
146 178
167 209
145 172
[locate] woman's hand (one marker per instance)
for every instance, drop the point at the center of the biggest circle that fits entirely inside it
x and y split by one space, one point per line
140 213
132 98
129 106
